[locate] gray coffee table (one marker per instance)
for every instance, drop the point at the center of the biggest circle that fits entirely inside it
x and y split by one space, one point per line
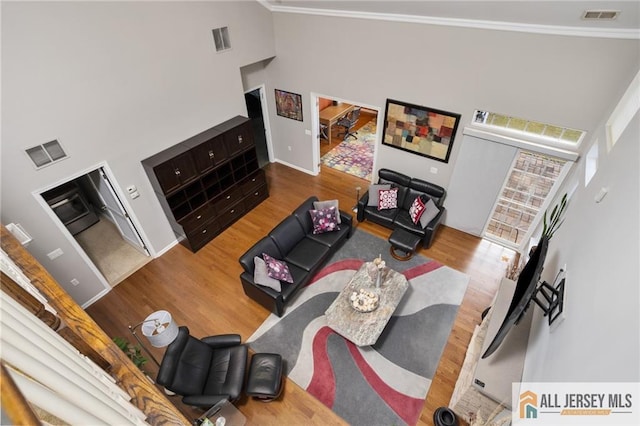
364 328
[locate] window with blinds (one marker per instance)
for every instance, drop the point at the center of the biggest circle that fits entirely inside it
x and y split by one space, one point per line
530 181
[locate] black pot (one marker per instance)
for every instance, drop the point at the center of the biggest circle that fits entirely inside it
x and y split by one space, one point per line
443 416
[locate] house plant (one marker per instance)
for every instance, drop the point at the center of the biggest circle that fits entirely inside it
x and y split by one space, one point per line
133 352
555 219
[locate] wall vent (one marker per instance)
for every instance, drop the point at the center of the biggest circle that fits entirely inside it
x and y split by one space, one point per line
600 15
221 39
47 153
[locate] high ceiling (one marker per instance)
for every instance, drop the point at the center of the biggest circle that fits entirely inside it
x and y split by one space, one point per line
523 15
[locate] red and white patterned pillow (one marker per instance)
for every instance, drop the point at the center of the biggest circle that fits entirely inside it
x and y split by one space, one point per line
388 199
416 209
324 220
277 269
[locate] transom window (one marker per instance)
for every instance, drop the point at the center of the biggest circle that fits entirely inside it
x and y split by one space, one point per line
549 132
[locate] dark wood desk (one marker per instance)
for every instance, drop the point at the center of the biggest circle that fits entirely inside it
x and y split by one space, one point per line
331 114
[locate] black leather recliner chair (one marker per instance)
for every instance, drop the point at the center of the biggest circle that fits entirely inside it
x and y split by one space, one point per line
204 371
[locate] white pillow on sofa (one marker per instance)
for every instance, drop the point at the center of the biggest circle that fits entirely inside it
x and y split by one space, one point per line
374 194
261 276
430 211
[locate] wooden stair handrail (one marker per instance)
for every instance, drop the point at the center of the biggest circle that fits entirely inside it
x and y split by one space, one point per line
16 407
145 395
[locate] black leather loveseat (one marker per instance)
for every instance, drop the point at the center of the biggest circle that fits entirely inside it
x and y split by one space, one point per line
408 189
293 241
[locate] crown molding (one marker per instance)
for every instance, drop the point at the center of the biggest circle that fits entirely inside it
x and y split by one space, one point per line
631 34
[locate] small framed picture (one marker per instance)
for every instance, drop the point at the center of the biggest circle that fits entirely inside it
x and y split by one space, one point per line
289 105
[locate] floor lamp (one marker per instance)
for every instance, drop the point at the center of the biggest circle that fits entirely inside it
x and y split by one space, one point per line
159 328
355 207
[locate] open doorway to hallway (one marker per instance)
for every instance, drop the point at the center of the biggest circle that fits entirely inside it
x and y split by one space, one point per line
89 207
348 137
256 110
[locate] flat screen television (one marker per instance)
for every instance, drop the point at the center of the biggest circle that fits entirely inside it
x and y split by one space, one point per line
524 292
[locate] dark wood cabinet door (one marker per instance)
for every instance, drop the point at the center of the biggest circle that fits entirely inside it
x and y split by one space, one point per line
239 138
209 154
175 172
167 178
184 168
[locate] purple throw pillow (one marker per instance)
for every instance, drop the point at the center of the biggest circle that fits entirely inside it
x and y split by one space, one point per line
277 269
324 220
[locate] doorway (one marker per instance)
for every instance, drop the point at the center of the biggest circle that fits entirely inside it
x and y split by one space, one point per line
257 112
100 225
346 135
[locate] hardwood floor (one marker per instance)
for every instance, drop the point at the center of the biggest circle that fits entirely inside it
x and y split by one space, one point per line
203 291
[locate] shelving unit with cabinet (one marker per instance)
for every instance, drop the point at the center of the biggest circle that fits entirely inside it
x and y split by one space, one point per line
207 182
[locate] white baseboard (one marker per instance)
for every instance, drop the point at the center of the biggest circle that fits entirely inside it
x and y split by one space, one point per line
293 166
167 248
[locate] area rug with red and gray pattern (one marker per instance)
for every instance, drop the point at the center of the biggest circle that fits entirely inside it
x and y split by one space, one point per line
382 384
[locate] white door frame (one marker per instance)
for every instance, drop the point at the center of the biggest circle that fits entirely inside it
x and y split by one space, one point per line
265 118
315 129
37 194
116 213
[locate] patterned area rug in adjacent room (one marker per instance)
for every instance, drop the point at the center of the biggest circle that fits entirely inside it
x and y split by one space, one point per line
383 384
354 156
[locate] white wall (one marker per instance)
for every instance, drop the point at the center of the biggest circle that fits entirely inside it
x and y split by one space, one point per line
555 79
600 244
114 82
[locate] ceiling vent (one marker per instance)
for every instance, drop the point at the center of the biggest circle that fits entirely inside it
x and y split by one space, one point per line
600 15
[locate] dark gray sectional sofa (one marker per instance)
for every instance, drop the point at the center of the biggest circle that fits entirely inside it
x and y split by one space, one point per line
293 241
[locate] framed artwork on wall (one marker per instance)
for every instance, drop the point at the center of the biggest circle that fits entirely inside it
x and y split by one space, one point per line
421 130
289 105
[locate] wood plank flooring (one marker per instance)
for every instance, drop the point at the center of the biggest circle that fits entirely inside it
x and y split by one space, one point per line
203 291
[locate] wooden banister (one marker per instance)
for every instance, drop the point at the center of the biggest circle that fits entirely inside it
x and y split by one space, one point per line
145 395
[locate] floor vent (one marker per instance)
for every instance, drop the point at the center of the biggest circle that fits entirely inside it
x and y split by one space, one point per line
600 15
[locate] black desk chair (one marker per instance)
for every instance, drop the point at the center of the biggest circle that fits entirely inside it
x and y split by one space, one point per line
349 122
204 371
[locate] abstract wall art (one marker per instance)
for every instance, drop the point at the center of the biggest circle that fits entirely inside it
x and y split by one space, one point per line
421 130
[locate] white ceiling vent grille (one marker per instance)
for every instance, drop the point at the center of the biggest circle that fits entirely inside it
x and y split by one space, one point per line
600 15
221 39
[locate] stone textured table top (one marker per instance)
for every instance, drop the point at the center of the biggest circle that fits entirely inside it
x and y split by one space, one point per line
364 328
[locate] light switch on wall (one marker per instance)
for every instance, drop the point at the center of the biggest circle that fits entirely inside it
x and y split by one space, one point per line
133 191
56 253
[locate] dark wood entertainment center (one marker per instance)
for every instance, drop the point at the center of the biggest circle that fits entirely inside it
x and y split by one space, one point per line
208 181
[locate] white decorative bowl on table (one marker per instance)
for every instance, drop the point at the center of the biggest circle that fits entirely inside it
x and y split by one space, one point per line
364 300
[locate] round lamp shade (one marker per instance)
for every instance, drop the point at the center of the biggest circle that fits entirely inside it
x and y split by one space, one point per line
160 329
